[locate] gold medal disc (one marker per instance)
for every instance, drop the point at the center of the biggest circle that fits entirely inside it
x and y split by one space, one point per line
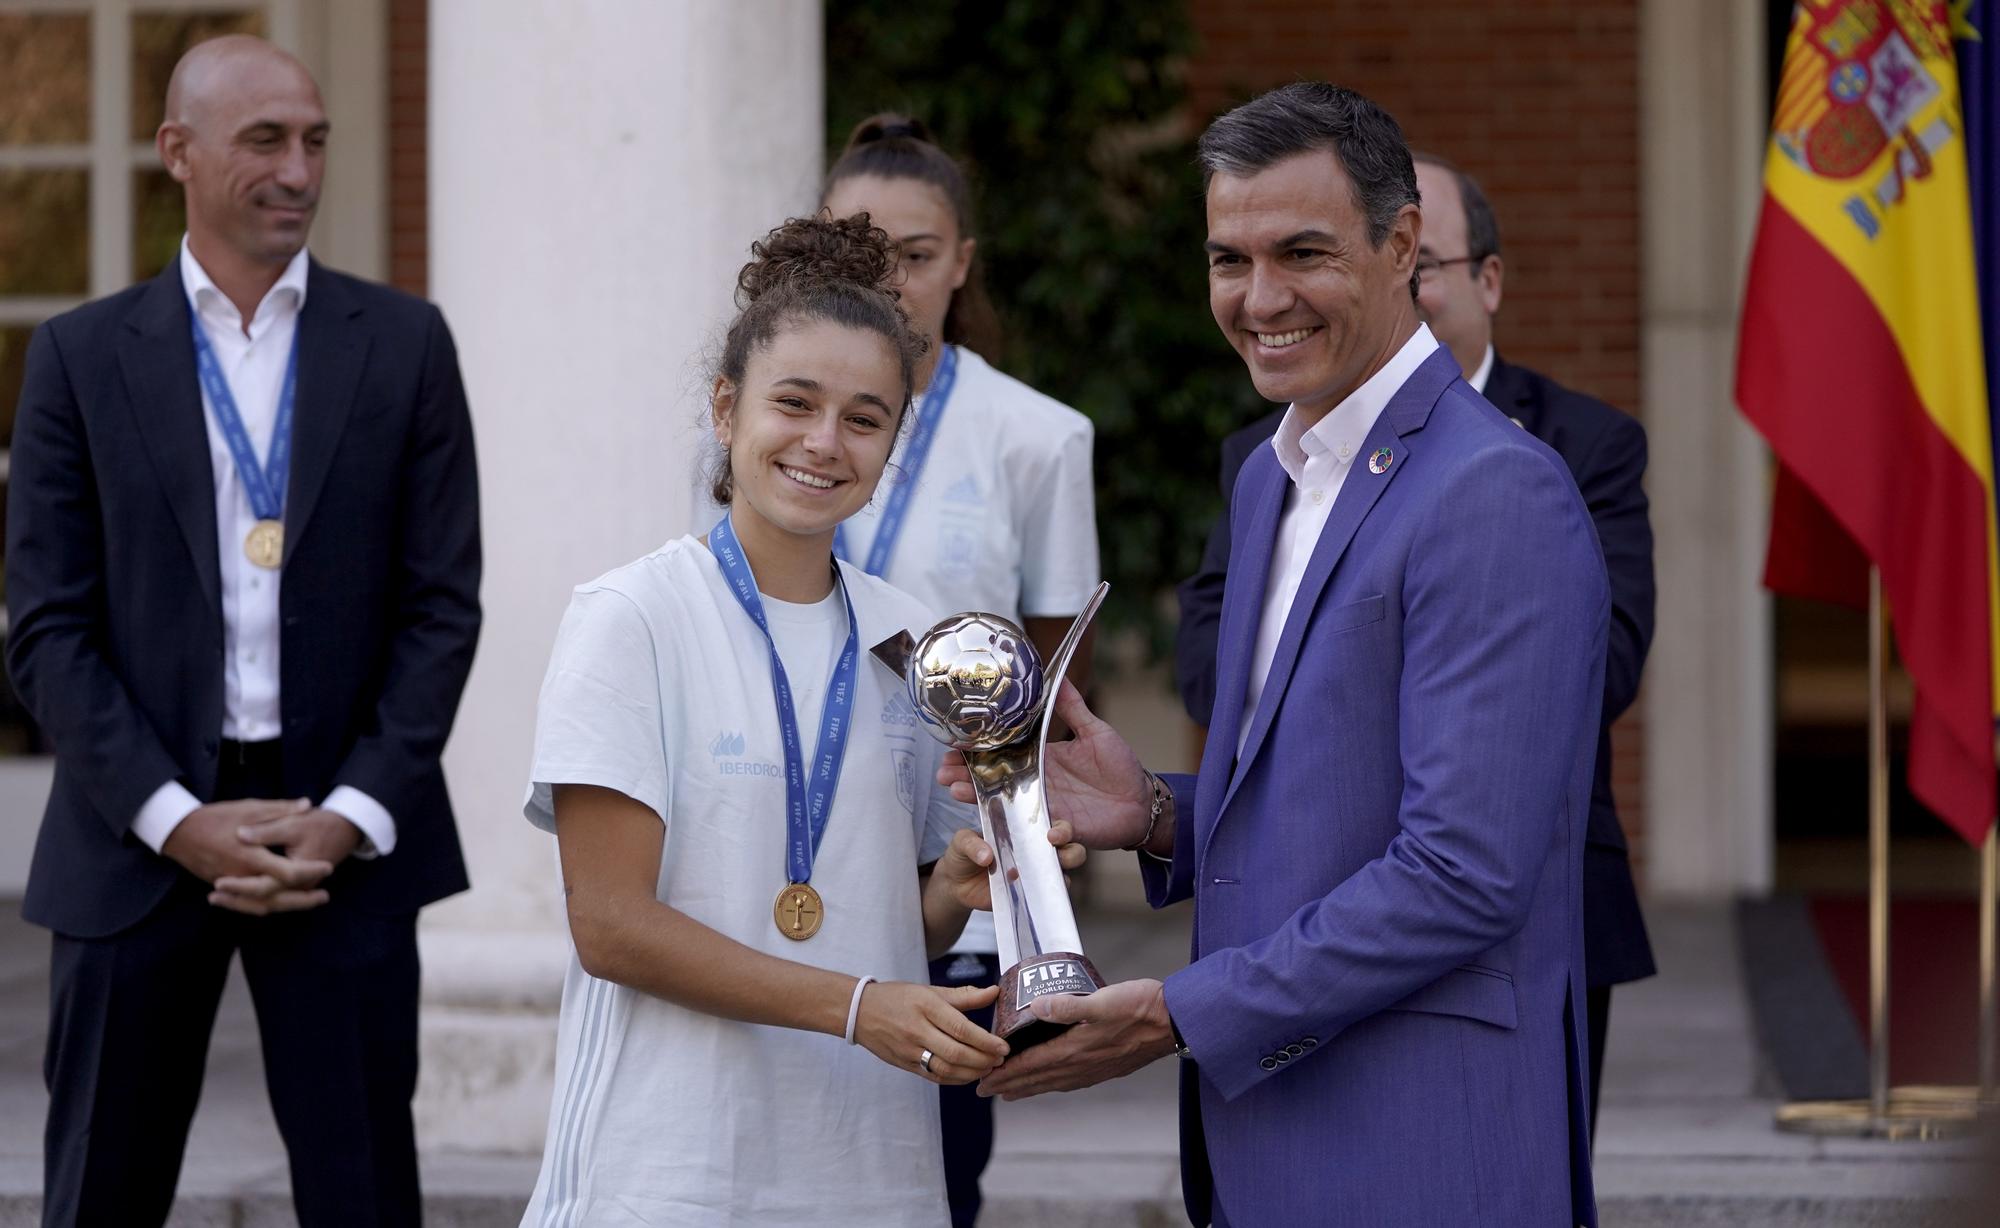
266 544
798 911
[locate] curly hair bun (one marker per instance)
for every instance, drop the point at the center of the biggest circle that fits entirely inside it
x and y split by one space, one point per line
887 126
823 250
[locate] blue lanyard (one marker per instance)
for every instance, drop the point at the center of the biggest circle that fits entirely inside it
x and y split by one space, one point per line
264 485
929 410
806 808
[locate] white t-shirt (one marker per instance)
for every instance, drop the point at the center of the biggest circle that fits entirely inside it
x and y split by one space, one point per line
1002 519
660 688
1003 516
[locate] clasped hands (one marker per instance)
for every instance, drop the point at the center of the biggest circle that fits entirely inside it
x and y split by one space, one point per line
1095 782
260 855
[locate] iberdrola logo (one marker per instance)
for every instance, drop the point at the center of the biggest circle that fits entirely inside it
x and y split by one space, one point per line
728 749
1863 97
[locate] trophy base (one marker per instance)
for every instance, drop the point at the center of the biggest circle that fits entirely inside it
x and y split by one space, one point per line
1039 976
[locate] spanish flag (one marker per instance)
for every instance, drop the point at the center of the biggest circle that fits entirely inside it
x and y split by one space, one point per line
1860 361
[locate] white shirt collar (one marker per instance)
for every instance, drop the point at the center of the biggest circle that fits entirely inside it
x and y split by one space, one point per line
206 298
1485 372
1353 418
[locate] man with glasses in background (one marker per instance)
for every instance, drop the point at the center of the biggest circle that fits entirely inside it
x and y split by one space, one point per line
1460 275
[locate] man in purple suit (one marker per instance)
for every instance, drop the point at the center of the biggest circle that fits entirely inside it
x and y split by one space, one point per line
1382 1022
1460 276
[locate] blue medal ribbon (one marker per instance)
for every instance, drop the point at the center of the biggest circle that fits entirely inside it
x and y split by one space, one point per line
265 484
929 410
808 801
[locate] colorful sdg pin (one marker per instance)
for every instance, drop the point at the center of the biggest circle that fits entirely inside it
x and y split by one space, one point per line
1379 462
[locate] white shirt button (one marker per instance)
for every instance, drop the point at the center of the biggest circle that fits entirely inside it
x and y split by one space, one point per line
1319 496
1346 450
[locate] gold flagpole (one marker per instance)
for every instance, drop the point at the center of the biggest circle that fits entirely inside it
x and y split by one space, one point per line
1912 1113
1989 1017
1878 849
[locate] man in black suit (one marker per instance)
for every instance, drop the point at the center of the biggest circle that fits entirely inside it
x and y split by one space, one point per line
1459 284
242 581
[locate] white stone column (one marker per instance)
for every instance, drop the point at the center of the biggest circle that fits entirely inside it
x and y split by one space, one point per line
598 171
1708 689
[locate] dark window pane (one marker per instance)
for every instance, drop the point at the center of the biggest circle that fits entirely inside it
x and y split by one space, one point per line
44 78
158 42
44 231
13 360
159 215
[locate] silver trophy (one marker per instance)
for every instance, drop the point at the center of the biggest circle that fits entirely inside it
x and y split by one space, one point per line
979 685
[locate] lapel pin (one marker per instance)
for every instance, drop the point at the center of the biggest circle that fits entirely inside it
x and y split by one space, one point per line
1379 462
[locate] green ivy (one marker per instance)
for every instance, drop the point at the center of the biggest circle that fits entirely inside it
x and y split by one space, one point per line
1074 122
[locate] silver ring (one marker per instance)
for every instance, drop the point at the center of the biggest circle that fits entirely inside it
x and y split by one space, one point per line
925 1061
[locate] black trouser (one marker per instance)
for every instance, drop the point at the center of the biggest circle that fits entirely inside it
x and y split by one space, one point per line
967 1116
1597 1005
335 991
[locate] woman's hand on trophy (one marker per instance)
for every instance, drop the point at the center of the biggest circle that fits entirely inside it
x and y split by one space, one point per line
1095 782
969 859
923 1029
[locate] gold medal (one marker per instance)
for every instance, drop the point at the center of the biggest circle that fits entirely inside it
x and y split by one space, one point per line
798 911
266 544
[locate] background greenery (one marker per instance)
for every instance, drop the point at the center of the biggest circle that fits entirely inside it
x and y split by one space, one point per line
1072 120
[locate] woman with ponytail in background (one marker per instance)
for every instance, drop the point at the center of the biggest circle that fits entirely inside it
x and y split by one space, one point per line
755 860
991 508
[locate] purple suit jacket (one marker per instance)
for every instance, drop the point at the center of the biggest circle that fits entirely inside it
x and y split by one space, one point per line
1384 1004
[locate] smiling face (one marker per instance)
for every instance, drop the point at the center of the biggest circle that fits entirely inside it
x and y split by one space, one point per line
1313 308
934 258
809 429
247 139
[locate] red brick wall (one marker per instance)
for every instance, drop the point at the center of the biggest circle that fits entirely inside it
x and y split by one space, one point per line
409 183
1538 99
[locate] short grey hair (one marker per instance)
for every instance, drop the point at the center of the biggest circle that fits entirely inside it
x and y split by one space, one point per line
1312 115
1482 228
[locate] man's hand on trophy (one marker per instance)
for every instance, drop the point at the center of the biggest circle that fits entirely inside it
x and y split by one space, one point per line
923 1029
968 859
1116 1030
1095 783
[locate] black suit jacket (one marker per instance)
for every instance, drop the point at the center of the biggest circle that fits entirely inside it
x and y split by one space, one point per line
1606 454
114 600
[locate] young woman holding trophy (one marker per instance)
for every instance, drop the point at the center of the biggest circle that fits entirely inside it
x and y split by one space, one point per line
990 505
755 859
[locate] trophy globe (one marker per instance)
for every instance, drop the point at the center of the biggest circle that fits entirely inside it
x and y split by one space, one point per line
977 680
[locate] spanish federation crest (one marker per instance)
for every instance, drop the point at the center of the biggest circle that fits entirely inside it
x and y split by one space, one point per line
906 777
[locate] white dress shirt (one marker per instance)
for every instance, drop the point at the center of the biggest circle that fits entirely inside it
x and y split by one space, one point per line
1485 371
253 358
1318 460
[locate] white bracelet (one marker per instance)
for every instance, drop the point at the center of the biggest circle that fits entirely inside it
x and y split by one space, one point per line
854 1007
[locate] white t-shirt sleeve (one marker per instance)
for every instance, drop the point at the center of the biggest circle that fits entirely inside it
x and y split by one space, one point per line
600 720
1059 537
